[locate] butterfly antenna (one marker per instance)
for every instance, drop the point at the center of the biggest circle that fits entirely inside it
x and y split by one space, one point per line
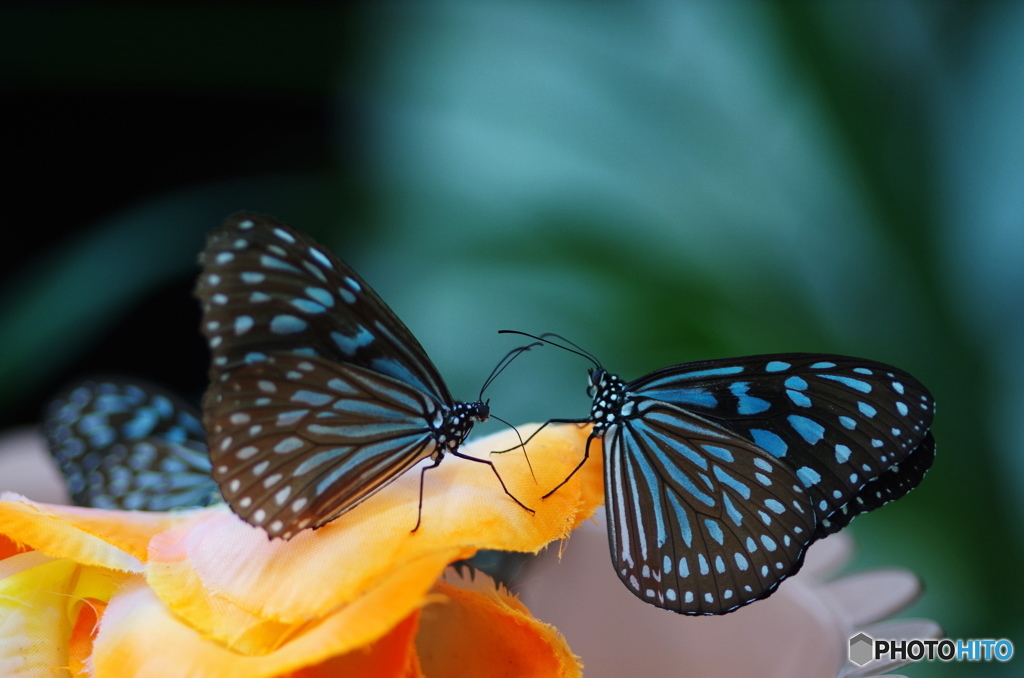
503 363
545 339
521 444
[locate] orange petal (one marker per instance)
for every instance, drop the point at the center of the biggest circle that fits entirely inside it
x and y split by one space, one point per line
220 572
139 636
113 539
483 631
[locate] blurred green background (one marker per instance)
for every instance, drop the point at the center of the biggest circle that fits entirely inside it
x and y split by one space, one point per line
658 181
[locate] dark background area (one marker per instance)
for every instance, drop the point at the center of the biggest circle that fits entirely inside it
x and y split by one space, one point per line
659 182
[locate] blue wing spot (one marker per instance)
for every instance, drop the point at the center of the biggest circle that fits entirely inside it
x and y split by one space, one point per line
671 595
823 504
771 443
718 452
350 345
725 478
311 398
811 431
146 418
768 542
710 598
307 306
719 565
751 545
351 282
823 366
896 431
258 297
799 399
842 453
287 324
684 568
320 296
666 565
875 442
321 258
763 479
762 464
808 476
715 530
347 296
688 598
777 366
243 324
855 384
838 494
741 562
284 235
695 397
796 383
717 372
747 404
273 262
735 516
854 477
902 408
254 357
862 370
848 422
703 563
251 278
898 387
774 506
866 410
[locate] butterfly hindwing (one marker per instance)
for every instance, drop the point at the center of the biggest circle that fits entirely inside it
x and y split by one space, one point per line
891 485
701 521
267 288
128 444
297 440
838 422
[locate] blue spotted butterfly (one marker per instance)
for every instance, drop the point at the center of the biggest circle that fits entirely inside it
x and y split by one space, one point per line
319 395
720 473
127 444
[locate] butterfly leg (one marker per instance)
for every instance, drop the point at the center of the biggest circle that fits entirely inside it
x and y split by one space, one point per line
586 455
496 474
423 473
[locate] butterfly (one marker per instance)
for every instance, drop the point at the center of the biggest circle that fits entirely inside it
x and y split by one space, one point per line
128 444
319 395
720 473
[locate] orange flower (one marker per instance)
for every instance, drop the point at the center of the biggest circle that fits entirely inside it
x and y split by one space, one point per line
201 593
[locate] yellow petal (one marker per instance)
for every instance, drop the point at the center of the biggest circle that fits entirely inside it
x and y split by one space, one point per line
113 539
229 581
41 599
483 631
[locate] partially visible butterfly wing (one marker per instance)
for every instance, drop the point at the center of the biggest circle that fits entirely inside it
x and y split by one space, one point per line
296 441
701 521
267 288
129 445
838 422
890 486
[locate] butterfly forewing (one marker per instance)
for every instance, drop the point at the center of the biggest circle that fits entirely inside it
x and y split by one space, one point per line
126 444
297 440
267 288
701 520
837 422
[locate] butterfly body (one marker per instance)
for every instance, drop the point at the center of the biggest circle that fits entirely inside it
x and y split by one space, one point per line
319 396
720 473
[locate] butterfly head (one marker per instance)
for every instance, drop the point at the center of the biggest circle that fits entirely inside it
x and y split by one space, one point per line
459 422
